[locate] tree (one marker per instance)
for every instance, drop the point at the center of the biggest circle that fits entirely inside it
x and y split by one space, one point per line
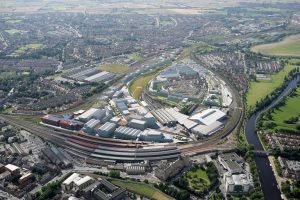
114 174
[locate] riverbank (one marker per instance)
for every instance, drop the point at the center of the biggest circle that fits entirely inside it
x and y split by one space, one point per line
266 173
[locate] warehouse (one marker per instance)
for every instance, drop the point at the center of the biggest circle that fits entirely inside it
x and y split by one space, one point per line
137 124
182 119
127 133
151 121
107 129
204 130
89 127
164 117
209 116
99 77
92 113
153 135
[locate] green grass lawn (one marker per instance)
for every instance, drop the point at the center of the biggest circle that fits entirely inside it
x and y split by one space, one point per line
137 57
290 46
198 180
137 86
115 68
13 21
14 31
7 75
26 47
142 189
290 109
260 89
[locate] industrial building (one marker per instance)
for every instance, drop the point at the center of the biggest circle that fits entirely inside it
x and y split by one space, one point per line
90 126
137 124
92 113
209 116
153 135
204 130
100 77
127 133
107 129
164 117
90 75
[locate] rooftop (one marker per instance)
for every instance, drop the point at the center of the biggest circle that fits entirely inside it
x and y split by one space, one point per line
71 178
208 116
11 167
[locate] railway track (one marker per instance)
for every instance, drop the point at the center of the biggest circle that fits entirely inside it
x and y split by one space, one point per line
95 151
58 137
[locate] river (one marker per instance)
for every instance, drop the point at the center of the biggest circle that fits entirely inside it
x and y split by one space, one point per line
266 174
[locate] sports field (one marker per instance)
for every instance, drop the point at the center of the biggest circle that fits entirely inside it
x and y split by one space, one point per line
261 88
142 189
289 46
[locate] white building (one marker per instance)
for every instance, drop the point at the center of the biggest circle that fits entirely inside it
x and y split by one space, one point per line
83 183
68 183
209 116
236 183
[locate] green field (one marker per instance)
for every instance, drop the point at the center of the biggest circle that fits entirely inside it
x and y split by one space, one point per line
23 49
142 189
115 68
137 57
137 86
14 31
290 46
260 89
198 179
290 109
13 21
7 76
